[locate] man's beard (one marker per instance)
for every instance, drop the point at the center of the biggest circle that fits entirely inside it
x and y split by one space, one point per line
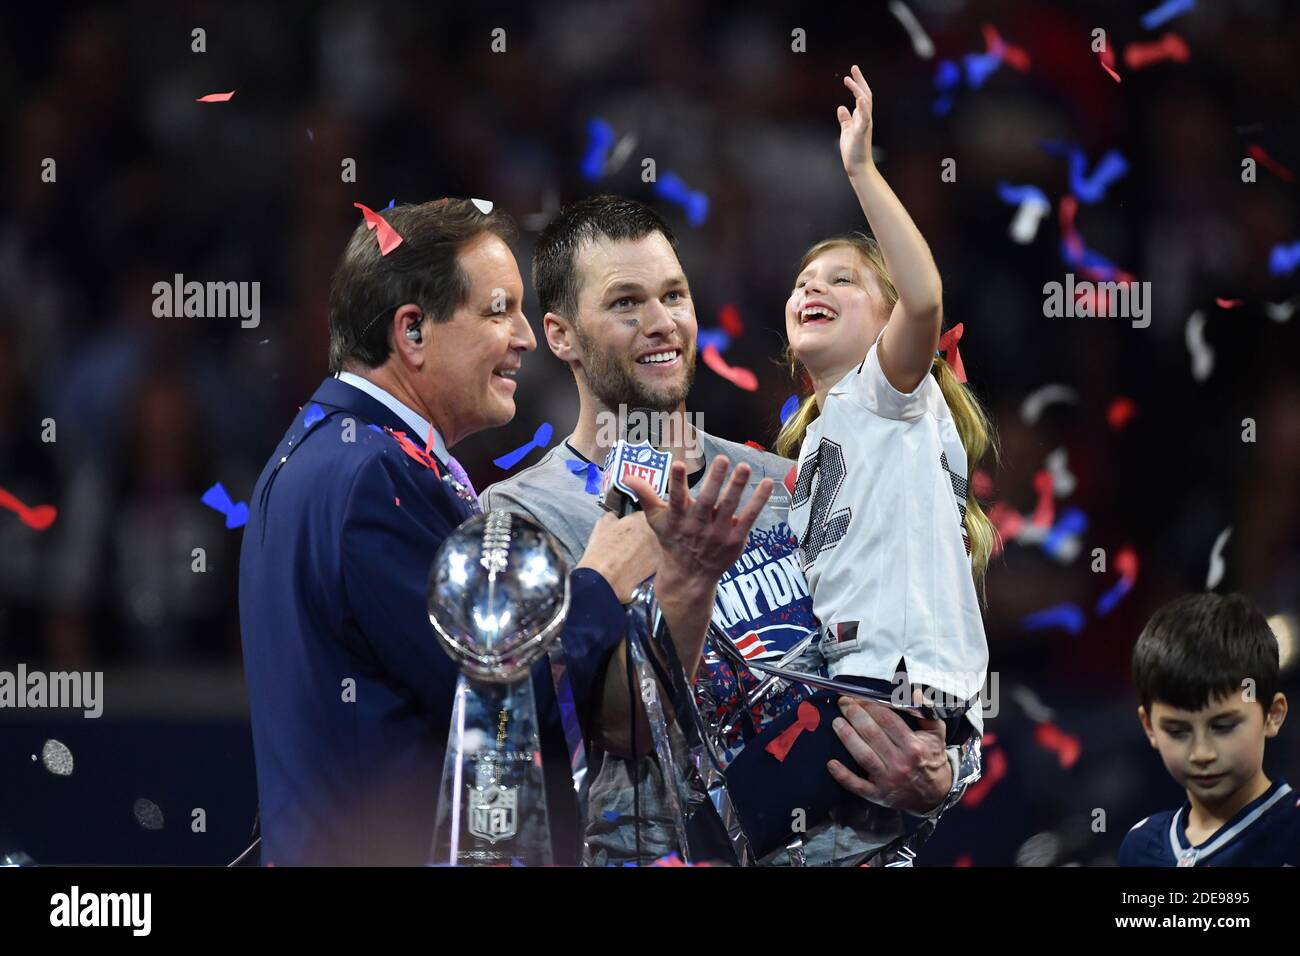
614 384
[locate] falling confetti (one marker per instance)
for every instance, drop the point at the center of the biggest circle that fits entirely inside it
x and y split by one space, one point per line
314 414
739 377
789 408
671 187
600 138
1031 409
385 234
1283 258
1202 354
216 97
1067 616
713 338
1227 303
541 438
1029 702
1120 412
1062 541
1106 58
1258 154
217 499
1279 311
994 769
1088 188
482 205
1217 565
1171 46
38 518
1062 479
1065 746
1126 565
729 319
921 43
1165 12
148 814
1045 509
57 758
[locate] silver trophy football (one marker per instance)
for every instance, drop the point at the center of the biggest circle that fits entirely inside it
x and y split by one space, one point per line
498 596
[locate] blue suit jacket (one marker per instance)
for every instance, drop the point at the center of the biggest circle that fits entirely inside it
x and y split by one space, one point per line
332 579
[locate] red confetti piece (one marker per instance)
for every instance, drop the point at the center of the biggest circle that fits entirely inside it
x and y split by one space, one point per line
398 502
1045 510
981 483
1258 154
808 718
1068 208
739 377
1107 60
790 478
1121 410
1126 563
216 97
414 451
995 768
386 234
951 354
1227 303
754 444
1065 746
1169 47
1006 520
1013 56
729 319
38 518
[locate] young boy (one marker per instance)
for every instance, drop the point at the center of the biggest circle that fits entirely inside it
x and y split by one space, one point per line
1206 670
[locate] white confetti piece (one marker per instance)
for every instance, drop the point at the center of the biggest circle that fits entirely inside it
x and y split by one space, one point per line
1202 354
921 43
483 205
1217 565
57 758
1031 409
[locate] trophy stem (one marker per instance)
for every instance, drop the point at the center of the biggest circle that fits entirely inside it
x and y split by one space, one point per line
492 803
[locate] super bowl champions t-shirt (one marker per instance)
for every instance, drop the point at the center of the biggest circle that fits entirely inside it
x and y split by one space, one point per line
762 603
878 508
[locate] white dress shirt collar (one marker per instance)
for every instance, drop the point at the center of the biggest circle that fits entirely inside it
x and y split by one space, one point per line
419 425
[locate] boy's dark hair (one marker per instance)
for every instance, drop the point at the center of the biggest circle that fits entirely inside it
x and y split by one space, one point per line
598 217
1200 647
367 286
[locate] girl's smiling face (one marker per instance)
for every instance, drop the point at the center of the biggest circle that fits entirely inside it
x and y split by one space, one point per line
835 311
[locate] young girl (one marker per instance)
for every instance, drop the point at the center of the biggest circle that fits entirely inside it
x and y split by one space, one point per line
891 539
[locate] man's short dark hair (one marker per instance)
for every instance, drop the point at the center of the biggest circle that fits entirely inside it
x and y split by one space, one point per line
367 287
555 274
1200 648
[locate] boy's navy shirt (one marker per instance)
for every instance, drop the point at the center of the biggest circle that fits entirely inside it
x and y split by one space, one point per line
1265 832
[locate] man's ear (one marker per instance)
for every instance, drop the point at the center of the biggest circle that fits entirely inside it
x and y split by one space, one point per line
560 337
409 348
1145 719
1276 715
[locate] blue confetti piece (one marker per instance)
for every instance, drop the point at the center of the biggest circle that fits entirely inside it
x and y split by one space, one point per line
1088 188
376 428
592 486
1283 258
1165 12
670 186
600 137
541 438
217 499
1015 195
942 106
611 815
1112 597
718 338
979 67
789 408
391 204
1067 616
314 414
515 861
947 76
1072 521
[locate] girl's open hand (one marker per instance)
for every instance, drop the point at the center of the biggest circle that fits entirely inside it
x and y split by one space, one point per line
855 127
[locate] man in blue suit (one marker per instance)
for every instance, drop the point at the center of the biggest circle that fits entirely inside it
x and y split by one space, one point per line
350 694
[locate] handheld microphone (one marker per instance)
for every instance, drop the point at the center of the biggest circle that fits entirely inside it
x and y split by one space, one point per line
624 460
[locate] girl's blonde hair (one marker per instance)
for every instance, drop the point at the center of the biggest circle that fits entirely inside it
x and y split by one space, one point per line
973 424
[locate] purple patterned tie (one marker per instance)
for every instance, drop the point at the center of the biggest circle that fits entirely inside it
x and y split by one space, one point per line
459 475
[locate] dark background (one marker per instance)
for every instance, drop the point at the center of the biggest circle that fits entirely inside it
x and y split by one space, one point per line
151 412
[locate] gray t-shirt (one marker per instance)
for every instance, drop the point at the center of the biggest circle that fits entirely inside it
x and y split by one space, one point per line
762 603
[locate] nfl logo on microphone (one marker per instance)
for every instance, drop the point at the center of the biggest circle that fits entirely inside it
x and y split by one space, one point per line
642 460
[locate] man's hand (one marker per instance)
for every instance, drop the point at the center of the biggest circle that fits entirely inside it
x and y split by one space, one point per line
623 550
907 769
855 127
701 537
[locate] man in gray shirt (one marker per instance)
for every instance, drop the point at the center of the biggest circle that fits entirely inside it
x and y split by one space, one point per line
618 311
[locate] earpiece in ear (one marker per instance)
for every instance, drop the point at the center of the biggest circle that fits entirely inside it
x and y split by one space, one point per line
413 333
